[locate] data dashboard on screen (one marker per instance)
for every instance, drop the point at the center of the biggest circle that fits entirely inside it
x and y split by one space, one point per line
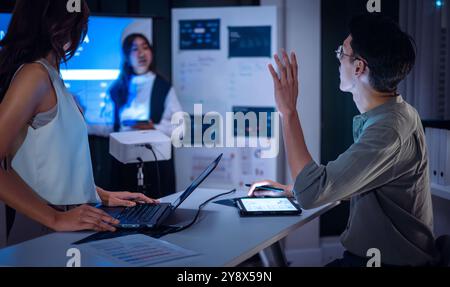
96 64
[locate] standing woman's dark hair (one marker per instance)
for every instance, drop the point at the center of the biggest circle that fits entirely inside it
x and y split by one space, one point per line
37 28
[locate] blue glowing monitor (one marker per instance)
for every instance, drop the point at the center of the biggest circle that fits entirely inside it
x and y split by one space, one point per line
96 64
4 21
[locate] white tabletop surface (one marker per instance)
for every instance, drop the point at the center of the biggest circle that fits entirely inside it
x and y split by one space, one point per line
220 236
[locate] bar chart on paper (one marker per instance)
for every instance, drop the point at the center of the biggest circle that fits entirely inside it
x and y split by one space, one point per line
137 250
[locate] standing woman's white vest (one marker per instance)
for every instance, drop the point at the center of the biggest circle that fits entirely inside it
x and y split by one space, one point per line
55 160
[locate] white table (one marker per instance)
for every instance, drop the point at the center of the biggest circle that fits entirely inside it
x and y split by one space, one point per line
441 191
221 236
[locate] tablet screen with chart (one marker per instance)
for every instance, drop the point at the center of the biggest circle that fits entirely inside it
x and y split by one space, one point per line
268 204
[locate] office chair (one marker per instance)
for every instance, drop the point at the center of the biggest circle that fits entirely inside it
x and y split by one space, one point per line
443 246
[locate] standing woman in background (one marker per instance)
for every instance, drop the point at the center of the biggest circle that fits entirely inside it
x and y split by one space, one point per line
46 170
143 100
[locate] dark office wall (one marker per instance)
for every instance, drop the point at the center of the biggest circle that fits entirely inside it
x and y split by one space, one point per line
338 108
6 5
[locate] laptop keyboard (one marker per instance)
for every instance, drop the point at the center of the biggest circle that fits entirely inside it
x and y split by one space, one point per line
139 213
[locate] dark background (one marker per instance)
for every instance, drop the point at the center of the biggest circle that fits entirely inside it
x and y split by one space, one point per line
338 108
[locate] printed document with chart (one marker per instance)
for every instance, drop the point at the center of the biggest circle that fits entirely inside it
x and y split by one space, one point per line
137 250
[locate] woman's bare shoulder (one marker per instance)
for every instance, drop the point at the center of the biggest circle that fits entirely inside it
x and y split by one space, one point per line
31 80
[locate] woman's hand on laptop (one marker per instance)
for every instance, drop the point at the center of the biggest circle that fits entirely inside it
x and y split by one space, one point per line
84 217
253 191
127 199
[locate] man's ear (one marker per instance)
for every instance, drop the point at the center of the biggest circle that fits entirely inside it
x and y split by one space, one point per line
360 67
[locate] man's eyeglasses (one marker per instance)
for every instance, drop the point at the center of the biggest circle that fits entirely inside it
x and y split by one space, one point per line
340 54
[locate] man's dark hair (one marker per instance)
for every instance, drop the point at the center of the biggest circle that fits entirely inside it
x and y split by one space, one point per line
389 52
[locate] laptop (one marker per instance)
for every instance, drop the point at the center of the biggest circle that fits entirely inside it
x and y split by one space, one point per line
151 215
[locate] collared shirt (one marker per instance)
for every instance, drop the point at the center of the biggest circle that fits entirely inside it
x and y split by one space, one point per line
385 174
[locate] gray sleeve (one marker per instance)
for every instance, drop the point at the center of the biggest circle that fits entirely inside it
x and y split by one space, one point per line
367 164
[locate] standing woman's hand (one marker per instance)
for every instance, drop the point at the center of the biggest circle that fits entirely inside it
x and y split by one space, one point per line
286 83
123 198
84 217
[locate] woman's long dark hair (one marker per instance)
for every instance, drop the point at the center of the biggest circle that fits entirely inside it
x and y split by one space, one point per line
37 28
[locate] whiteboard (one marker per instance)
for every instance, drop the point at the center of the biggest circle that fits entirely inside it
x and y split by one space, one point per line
220 58
222 78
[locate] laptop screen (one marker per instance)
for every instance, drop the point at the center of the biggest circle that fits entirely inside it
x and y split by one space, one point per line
197 182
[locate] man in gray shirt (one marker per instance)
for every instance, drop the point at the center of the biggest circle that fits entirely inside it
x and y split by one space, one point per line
385 172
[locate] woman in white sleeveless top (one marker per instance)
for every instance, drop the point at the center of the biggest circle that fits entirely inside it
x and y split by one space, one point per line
46 171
